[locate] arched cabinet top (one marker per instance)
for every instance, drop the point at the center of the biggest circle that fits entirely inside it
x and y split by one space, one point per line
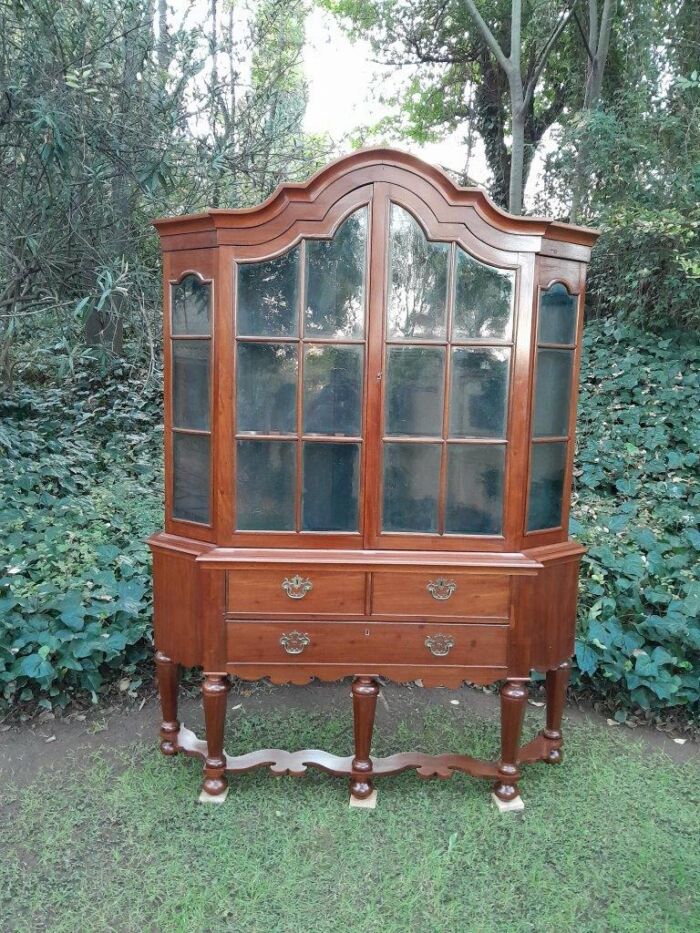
296 210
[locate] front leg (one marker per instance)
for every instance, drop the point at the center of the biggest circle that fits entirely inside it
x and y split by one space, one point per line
168 675
513 699
556 683
214 693
364 703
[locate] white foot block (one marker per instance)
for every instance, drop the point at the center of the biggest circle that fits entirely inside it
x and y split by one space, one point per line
204 797
508 806
365 803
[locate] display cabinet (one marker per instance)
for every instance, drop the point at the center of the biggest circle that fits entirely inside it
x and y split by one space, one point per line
370 397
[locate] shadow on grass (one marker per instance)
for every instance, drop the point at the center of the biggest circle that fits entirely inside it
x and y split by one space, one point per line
607 842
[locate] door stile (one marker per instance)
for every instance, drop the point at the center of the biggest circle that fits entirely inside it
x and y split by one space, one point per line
378 245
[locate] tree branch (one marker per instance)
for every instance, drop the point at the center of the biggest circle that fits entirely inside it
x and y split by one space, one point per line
549 45
489 37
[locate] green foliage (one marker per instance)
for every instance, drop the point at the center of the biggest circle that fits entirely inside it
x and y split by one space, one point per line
80 481
638 500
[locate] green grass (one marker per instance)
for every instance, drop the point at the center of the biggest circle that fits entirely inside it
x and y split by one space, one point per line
608 842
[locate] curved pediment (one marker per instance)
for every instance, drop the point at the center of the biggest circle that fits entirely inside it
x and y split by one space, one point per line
360 170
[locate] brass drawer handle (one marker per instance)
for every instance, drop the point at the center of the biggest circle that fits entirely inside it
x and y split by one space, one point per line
294 642
296 587
441 588
439 645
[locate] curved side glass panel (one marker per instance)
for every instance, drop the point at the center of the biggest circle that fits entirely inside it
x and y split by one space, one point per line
554 368
190 352
300 360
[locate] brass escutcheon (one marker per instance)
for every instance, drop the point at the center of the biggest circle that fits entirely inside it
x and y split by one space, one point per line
296 587
441 588
294 642
439 645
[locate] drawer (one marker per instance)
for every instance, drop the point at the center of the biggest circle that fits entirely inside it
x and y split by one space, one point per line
296 591
426 595
363 643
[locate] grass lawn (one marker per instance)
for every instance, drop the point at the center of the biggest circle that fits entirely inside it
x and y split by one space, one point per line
609 841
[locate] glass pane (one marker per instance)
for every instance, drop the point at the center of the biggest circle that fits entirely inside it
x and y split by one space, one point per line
266 395
190 307
479 392
331 483
191 477
552 392
474 489
265 484
546 485
411 483
417 280
483 300
415 390
557 319
267 297
191 384
332 389
335 276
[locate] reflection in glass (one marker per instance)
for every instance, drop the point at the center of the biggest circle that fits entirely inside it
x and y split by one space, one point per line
553 392
483 300
410 491
267 297
474 489
414 390
557 317
546 485
266 388
191 384
417 280
191 477
479 392
335 275
265 484
332 389
190 307
331 484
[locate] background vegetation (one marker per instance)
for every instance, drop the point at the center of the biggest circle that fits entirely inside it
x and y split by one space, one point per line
111 113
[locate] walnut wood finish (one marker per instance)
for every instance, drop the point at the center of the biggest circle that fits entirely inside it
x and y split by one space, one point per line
214 692
556 684
168 674
295 606
513 699
365 691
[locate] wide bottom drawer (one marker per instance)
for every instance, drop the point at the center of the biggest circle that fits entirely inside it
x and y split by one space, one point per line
480 645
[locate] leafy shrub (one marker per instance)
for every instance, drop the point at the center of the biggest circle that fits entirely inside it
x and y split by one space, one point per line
637 506
80 482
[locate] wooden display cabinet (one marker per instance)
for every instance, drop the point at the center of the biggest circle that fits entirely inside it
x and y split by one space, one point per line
370 398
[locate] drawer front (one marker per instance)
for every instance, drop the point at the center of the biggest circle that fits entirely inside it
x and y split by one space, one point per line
365 643
426 595
295 591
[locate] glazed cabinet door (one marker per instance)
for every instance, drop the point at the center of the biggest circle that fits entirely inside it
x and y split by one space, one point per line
300 364
448 326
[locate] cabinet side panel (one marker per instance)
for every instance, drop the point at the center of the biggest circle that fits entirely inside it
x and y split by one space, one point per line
545 613
175 602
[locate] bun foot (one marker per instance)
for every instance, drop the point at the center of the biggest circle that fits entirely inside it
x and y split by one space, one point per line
215 786
553 756
361 789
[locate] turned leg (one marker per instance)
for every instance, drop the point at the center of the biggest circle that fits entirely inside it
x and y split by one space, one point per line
364 703
513 700
214 693
168 674
556 683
